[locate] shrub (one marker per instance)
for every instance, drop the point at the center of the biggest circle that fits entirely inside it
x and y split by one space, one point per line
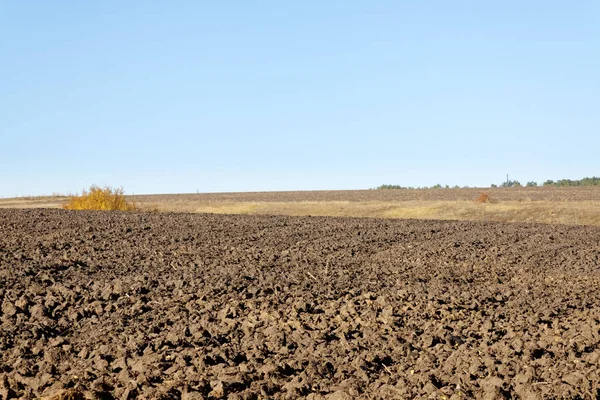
97 198
483 198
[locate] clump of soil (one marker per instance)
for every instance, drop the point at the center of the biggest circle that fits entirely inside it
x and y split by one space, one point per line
132 305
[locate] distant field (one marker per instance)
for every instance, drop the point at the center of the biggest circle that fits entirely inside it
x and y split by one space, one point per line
561 205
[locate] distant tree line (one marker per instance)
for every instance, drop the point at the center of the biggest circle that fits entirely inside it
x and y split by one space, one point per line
593 181
438 186
511 183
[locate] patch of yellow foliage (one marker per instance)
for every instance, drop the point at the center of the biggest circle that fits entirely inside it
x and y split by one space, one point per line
97 198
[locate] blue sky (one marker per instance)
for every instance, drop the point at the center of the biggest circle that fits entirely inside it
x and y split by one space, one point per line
186 96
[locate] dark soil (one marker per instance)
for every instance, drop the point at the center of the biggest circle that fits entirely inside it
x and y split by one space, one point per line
123 305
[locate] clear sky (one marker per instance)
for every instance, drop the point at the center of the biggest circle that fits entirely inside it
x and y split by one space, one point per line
181 96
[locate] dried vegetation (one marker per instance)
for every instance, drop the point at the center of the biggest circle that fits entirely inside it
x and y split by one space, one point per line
97 198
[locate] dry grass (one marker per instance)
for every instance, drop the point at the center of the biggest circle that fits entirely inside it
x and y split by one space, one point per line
97 198
571 213
33 202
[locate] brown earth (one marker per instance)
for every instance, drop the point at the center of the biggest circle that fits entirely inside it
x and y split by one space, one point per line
132 305
542 193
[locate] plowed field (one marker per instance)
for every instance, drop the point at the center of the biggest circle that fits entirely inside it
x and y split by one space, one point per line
134 305
542 193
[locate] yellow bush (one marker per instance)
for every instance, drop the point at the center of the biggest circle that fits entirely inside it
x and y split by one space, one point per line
98 198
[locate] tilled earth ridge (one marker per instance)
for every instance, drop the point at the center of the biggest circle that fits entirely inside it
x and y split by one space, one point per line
130 305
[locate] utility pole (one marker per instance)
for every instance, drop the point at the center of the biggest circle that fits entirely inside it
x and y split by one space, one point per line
507 181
